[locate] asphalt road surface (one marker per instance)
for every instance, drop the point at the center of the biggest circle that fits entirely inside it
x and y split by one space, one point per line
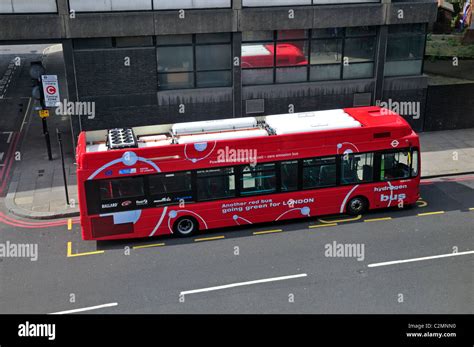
413 261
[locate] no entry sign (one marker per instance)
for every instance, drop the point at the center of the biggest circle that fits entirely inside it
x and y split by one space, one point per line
51 90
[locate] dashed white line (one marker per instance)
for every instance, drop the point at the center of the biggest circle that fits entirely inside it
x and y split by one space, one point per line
87 308
420 259
240 284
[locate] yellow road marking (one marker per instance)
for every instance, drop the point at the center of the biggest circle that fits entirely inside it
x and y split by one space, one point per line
421 203
209 238
340 220
429 213
69 252
377 219
322 225
267 232
149 246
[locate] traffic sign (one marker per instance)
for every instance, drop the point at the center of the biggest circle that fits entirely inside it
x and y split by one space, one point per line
44 113
51 90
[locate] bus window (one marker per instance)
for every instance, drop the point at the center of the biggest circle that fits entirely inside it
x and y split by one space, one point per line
357 168
395 165
121 188
170 187
414 163
215 184
289 176
319 172
260 179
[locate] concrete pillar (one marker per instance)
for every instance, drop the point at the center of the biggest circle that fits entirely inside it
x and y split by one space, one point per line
380 62
237 73
63 7
68 54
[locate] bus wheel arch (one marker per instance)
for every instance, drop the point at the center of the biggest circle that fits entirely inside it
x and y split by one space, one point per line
185 226
357 205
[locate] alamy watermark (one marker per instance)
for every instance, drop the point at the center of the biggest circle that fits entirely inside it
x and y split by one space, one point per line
78 108
240 155
345 250
19 250
403 108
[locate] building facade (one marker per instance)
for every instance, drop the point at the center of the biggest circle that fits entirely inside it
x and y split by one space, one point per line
159 61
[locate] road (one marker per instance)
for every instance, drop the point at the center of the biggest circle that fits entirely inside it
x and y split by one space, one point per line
15 101
278 268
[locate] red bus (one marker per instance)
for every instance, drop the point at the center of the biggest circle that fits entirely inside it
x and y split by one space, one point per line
187 178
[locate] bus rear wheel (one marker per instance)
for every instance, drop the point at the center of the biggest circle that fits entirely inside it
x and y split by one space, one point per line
185 226
357 206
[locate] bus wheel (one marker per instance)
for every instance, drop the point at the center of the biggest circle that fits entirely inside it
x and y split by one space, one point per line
185 226
357 205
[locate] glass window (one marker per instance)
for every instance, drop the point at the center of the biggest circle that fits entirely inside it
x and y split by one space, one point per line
175 80
213 38
292 34
359 49
256 55
257 36
354 71
291 74
92 43
357 168
292 53
395 165
327 32
405 48
326 52
258 179
121 188
134 41
325 72
215 184
257 76
213 57
414 163
214 79
289 176
197 65
174 59
170 187
360 31
174 39
403 67
319 172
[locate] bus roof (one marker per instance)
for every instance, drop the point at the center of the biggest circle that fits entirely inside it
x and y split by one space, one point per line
241 128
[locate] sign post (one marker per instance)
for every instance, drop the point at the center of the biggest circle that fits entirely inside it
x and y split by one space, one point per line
50 98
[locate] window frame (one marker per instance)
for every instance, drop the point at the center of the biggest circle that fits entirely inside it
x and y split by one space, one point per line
339 38
195 71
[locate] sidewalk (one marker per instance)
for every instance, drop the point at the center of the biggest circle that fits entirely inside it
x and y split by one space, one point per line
447 152
36 188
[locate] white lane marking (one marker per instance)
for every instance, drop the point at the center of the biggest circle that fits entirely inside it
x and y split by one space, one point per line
10 134
1 156
26 115
419 259
240 284
86 308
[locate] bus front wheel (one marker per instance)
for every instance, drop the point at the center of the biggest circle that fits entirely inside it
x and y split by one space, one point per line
185 226
357 206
